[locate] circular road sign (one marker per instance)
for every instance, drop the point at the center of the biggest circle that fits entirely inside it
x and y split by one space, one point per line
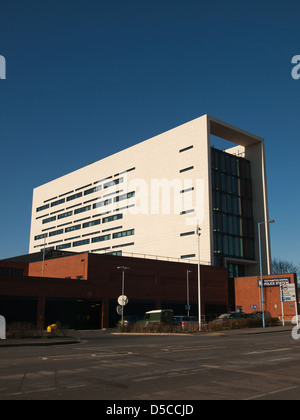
122 300
119 310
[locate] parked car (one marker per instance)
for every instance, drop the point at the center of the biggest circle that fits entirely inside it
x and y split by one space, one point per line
230 315
184 321
250 316
237 315
130 320
259 314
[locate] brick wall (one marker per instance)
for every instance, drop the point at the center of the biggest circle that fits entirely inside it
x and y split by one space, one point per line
147 280
73 266
247 293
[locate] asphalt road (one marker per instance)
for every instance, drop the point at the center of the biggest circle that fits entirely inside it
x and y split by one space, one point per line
174 368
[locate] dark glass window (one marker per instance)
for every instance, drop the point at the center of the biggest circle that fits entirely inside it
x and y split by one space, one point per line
112 218
42 208
82 209
232 206
92 190
82 242
63 215
72 228
49 219
93 223
74 196
124 233
101 238
56 232
56 203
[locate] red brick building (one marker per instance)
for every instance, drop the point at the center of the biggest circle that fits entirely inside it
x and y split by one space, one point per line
248 295
81 290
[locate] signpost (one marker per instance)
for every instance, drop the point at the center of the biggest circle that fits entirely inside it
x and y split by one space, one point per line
288 294
282 287
122 301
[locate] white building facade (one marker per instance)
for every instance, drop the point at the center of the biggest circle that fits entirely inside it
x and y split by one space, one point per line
149 199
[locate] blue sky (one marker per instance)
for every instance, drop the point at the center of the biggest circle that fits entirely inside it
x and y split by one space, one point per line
87 78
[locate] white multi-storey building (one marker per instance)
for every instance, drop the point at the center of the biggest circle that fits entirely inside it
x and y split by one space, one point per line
150 198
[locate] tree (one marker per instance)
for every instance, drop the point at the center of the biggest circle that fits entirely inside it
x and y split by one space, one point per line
280 266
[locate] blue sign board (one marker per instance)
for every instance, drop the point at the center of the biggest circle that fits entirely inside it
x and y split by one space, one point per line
274 282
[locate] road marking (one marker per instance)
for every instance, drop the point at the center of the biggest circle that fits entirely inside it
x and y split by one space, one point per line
270 393
148 378
33 391
268 351
255 373
76 386
174 373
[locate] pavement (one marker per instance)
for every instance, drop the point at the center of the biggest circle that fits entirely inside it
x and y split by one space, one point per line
76 336
24 342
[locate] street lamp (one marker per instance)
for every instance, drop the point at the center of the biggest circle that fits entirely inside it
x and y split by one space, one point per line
123 268
188 292
199 277
261 271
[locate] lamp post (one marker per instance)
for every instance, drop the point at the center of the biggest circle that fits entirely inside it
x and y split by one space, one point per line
199 278
44 252
123 268
261 271
188 292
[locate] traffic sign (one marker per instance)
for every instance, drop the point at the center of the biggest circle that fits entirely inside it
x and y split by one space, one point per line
119 310
122 300
288 293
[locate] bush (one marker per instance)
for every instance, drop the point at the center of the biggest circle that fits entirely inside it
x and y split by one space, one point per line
234 324
21 330
229 324
28 330
154 327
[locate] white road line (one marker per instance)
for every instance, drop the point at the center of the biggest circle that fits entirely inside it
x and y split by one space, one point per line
268 351
270 393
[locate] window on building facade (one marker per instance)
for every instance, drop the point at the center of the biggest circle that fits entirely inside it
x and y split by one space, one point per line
124 233
74 196
82 242
58 202
82 209
101 238
232 207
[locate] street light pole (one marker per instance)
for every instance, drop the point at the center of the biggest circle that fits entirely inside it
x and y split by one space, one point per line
123 268
188 291
261 271
44 252
199 278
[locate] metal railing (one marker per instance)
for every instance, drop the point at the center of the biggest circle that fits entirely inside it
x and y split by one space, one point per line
157 257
